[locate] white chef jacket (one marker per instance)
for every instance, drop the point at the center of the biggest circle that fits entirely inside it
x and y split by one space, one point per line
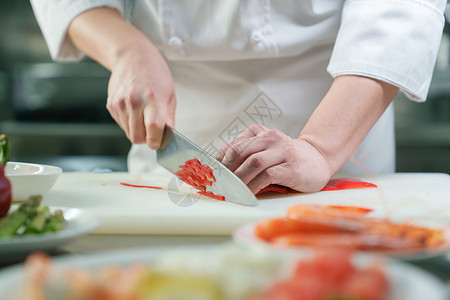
236 63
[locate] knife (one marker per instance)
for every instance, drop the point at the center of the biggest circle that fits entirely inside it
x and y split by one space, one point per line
176 149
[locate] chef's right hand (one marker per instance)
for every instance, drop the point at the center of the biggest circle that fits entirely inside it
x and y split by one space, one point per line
141 95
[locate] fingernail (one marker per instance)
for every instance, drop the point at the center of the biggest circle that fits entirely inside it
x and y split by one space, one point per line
154 146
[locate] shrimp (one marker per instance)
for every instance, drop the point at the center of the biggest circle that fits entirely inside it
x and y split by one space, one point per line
327 226
274 228
357 241
419 237
348 212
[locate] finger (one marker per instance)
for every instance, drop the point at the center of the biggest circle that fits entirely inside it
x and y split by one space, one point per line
257 163
117 110
274 175
236 153
136 127
239 152
154 119
250 132
115 117
171 108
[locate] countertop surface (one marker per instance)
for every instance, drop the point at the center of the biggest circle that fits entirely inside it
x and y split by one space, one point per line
177 210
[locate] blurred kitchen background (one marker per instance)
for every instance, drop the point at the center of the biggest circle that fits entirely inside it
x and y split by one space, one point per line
55 113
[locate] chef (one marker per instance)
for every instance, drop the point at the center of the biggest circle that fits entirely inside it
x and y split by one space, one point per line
281 92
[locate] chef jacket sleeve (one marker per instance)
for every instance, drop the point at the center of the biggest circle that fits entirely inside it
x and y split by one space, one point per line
395 41
54 18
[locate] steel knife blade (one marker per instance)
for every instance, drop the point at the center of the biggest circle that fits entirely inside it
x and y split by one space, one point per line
176 149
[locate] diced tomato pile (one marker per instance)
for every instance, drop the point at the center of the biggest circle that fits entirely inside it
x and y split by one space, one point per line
330 274
198 175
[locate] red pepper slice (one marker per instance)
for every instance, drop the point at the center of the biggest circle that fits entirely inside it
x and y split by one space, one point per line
204 182
198 176
347 183
274 188
212 195
213 178
193 161
141 186
332 185
179 173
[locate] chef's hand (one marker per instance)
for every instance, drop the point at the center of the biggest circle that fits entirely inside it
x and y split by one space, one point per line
334 131
261 156
141 96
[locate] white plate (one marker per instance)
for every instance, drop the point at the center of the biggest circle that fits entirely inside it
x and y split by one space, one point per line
245 236
30 179
407 282
77 223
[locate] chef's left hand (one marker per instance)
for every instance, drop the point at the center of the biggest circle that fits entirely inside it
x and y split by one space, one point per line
261 156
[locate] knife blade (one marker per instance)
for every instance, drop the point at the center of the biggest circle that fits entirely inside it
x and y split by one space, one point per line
176 149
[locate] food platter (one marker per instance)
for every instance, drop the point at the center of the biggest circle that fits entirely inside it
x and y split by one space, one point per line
245 236
407 282
77 223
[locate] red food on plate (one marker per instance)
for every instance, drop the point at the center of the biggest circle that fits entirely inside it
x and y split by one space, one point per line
348 212
274 228
330 274
316 225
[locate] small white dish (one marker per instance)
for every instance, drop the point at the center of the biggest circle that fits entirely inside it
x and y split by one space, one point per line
29 179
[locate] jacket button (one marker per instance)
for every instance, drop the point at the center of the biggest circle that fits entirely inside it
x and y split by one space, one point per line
175 42
256 37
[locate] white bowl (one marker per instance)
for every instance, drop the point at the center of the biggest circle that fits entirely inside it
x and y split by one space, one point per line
30 179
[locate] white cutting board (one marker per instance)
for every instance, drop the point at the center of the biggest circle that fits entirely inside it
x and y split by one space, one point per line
127 210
